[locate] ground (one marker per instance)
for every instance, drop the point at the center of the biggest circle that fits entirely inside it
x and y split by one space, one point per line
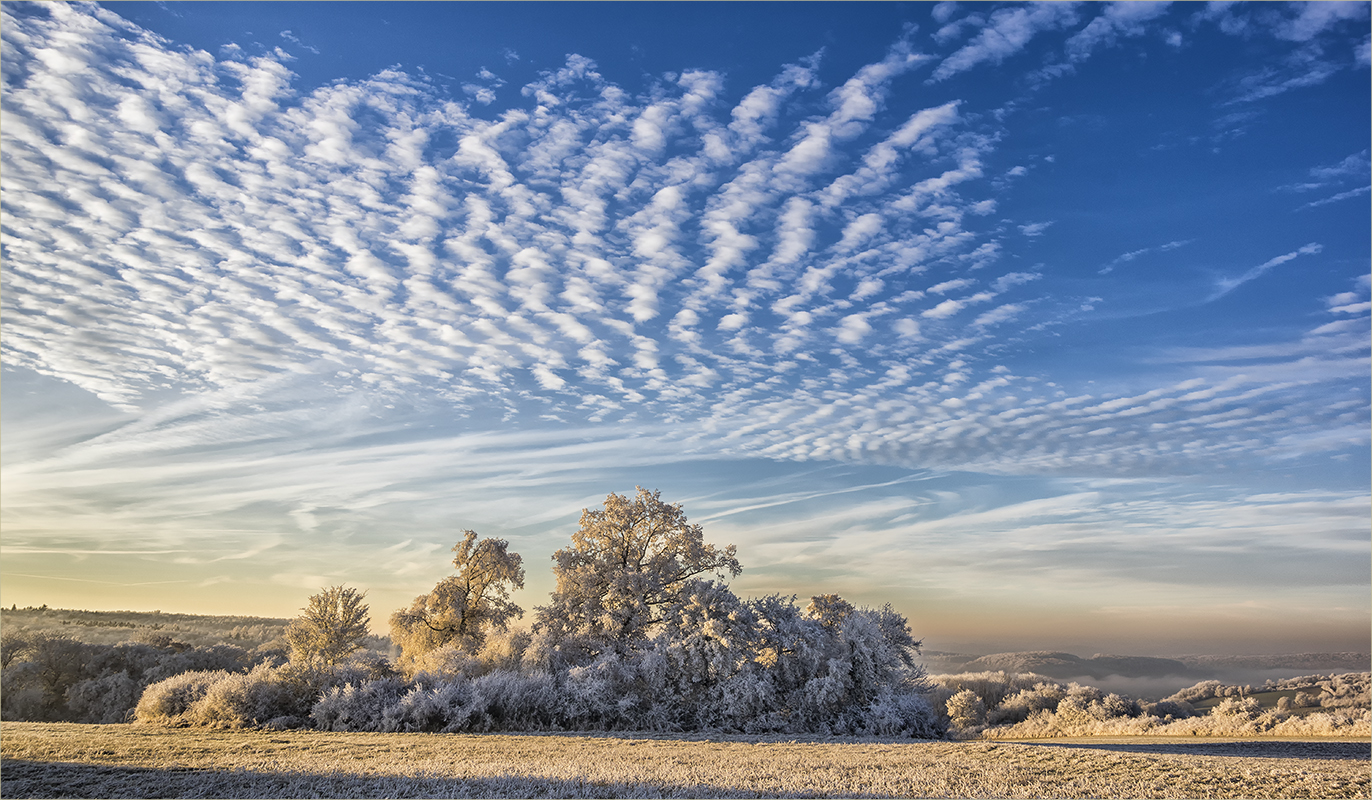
69 760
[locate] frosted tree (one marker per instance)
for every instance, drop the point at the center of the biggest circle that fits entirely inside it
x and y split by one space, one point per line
966 709
628 561
332 627
829 610
463 608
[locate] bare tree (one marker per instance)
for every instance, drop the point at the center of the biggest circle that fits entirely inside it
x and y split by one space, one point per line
332 627
463 607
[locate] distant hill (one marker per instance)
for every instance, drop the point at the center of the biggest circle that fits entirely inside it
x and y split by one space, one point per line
1308 662
112 627
1064 666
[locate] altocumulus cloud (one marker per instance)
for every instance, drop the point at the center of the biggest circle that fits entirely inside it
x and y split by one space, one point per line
332 325
177 222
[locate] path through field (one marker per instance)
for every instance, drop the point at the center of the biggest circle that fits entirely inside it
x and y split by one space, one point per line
67 760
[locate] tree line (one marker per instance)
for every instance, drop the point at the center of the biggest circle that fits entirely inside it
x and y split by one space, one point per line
641 632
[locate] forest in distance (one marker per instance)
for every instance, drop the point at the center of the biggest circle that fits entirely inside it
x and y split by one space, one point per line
640 634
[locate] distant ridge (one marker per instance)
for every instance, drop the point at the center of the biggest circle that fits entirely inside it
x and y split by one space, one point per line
1060 665
1067 665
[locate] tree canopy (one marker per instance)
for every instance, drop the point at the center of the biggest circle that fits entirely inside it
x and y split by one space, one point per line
332 627
462 608
627 561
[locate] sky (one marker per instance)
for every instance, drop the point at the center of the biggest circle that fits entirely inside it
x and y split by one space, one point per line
1046 324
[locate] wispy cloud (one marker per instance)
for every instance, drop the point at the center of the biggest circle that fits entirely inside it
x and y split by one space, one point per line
1125 258
1224 286
293 39
1007 32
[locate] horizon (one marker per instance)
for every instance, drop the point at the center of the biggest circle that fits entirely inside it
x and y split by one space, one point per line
1046 324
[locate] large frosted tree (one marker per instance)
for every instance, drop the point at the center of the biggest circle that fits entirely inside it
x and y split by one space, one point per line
463 608
629 561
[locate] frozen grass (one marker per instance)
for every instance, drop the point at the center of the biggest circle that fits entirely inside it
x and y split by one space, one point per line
69 760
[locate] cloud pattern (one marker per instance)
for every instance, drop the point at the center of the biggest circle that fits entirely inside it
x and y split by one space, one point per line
796 276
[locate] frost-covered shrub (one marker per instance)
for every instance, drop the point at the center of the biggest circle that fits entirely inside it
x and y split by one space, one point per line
422 709
906 714
503 650
1204 690
220 657
356 706
169 701
1244 707
1169 710
253 698
1019 706
994 688
513 701
109 699
23 697
592 695
966 710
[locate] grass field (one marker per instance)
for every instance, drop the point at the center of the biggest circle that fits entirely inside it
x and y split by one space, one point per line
69 760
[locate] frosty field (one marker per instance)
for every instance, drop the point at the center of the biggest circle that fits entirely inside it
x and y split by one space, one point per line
68 760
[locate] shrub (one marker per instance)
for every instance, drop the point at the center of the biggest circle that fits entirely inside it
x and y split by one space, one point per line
252 699
356 707
108 699
169 701
900 714
966 710
1019 706
512 701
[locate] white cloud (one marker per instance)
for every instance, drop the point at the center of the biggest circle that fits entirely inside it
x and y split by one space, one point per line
1010 279
998 315
1348 195
1224 286
1312 19
560 263
1006 33
1117 19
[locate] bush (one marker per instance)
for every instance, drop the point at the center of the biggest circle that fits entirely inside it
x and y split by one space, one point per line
254 698
109 699
169 702
1019 706
356 707
966 710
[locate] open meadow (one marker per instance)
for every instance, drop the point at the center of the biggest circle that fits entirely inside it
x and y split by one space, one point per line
70 760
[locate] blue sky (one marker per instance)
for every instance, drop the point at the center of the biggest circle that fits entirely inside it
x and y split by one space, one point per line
1047 324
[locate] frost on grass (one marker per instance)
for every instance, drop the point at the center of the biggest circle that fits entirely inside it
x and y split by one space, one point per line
147 761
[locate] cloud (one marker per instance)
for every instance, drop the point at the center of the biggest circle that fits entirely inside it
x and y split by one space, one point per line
1117 19
382 275
1125 258
1312 19
1348 195
1354 168
1224 286
998 315
293 39
1007 32
1034 229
